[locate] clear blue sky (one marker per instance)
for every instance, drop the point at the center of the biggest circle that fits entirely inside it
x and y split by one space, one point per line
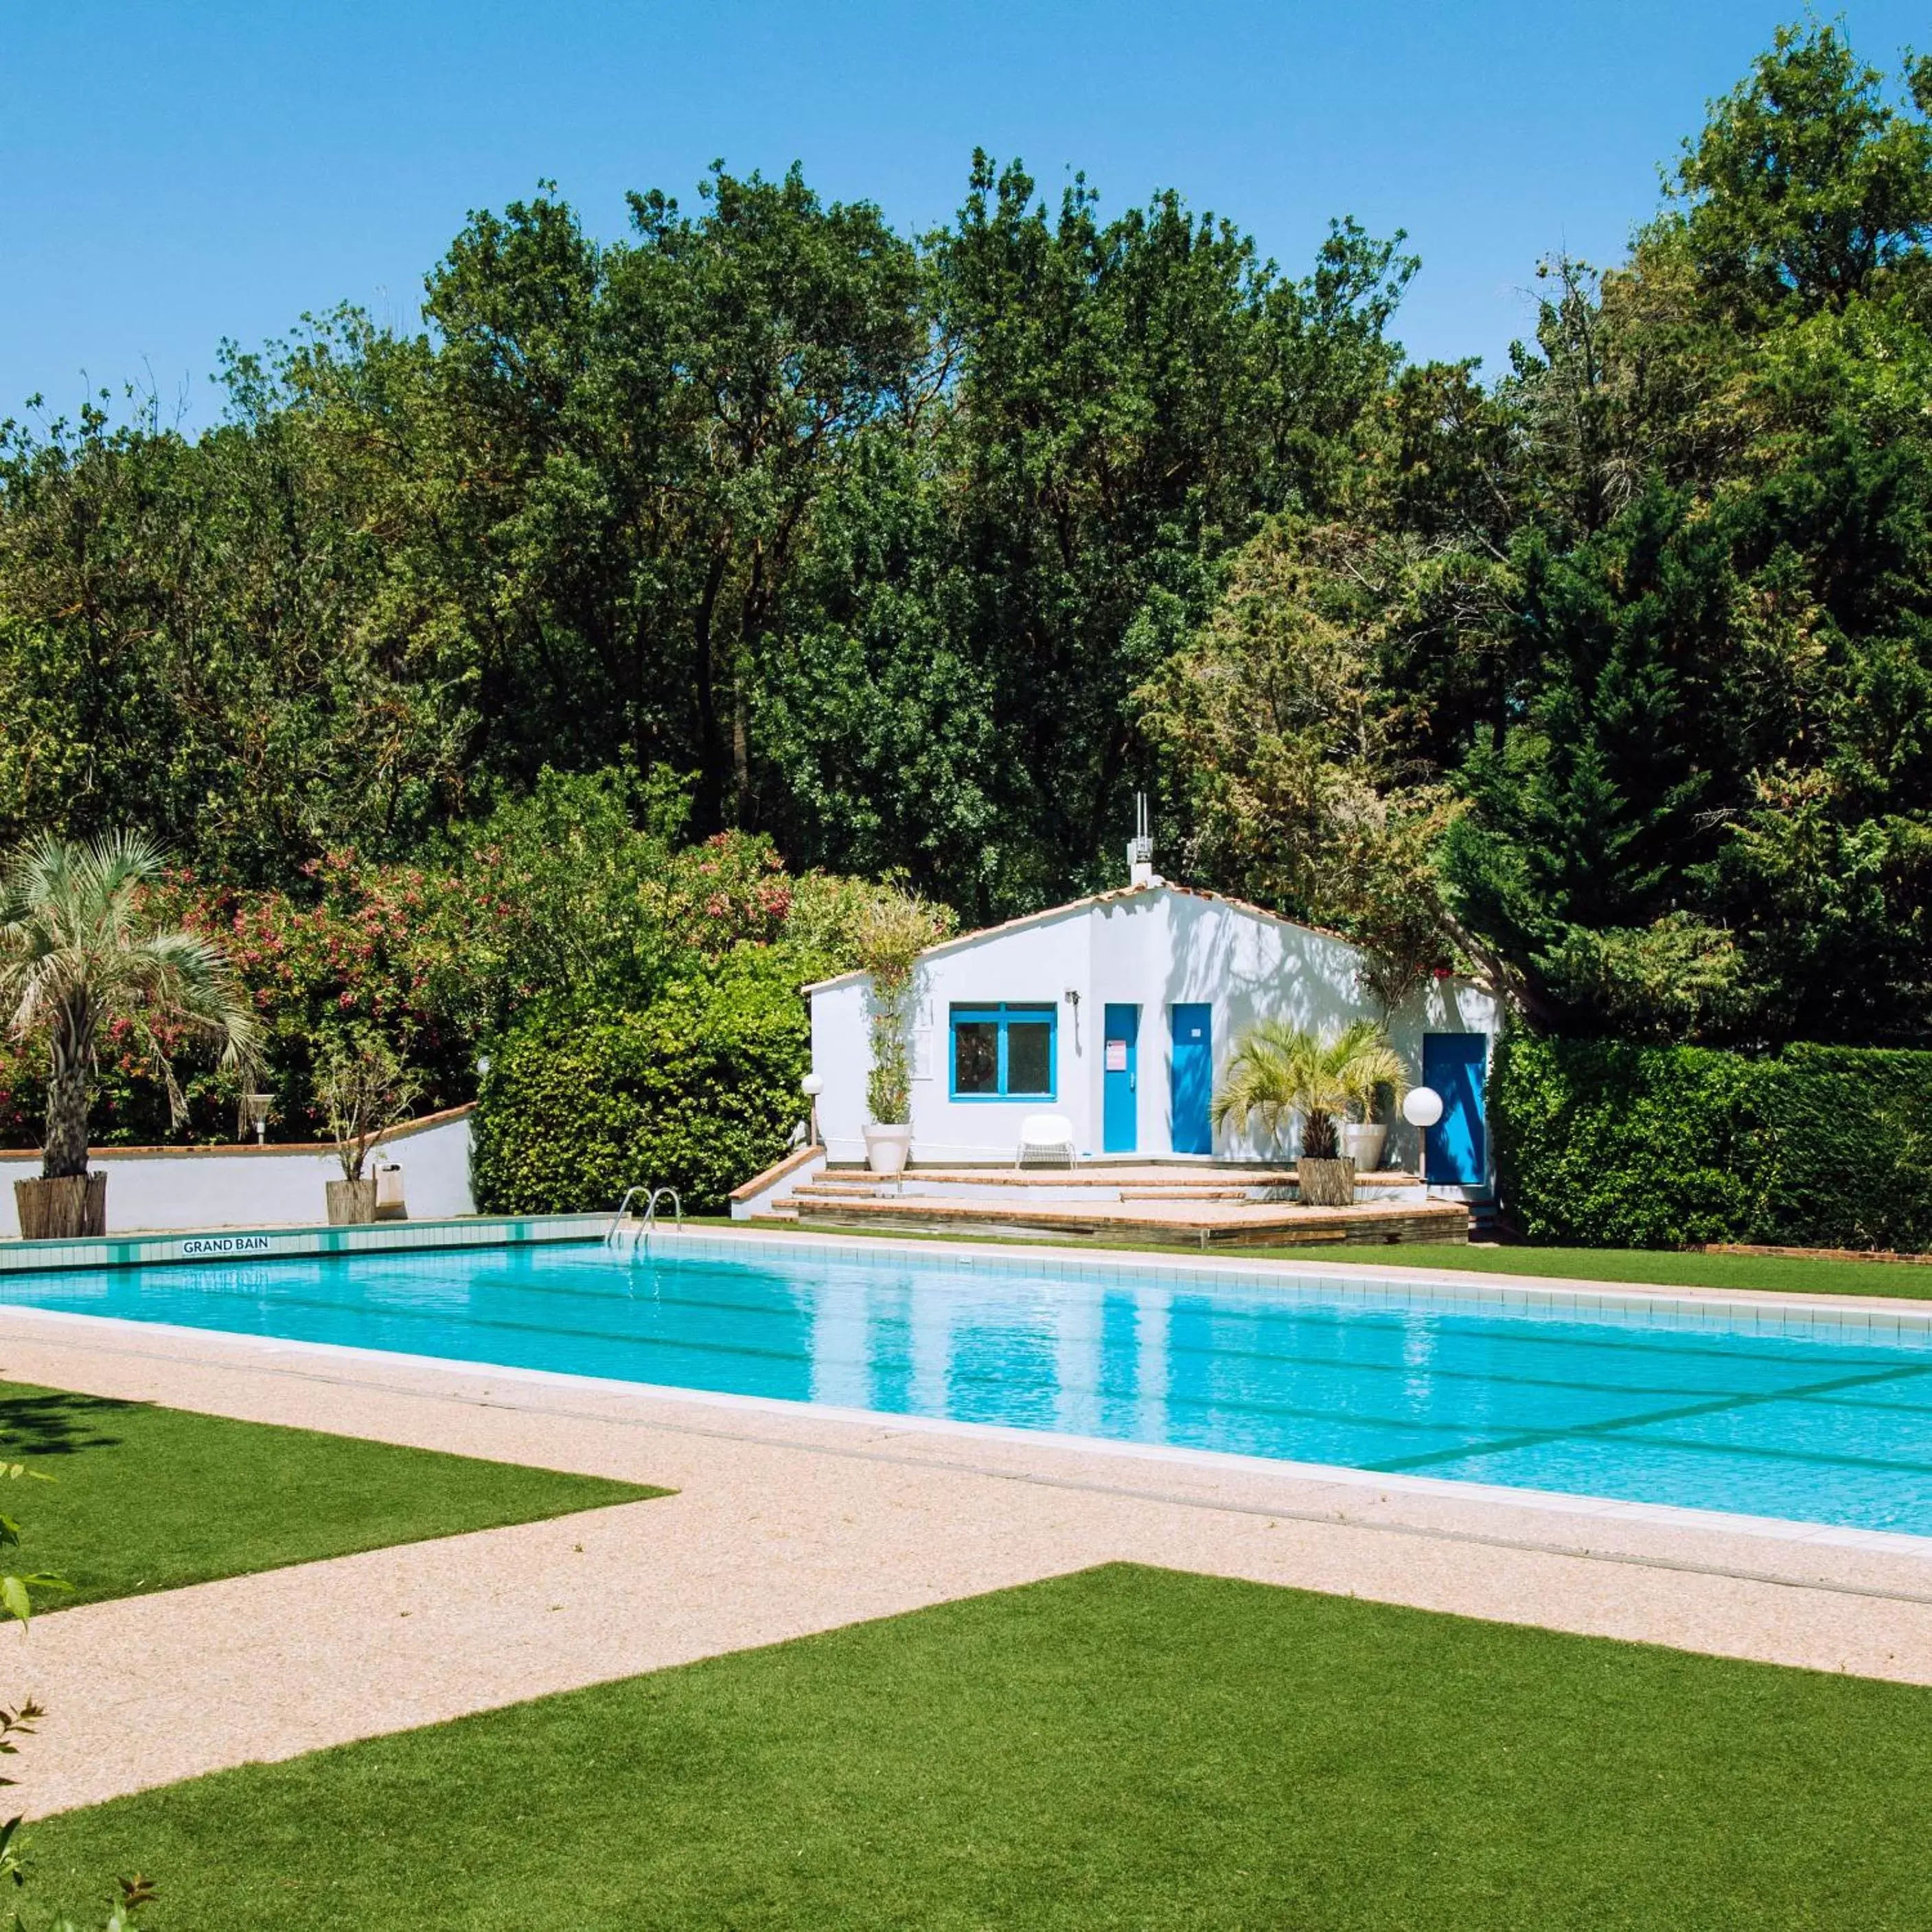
179 173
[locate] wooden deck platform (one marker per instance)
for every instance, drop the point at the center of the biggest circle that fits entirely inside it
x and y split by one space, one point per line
1177 1203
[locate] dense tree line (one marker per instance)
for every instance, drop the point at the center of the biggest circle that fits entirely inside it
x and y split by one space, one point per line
1612 676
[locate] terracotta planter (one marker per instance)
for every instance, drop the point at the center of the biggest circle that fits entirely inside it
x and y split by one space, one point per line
59 1211
351 1202
1326 1183
887 1149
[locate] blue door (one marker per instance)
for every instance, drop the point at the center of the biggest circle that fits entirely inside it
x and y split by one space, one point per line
1120 1110
1456 1150
1191 1078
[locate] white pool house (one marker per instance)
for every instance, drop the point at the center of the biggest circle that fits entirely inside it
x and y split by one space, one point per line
1117 1014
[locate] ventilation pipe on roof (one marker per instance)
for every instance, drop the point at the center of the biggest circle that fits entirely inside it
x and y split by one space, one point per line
1140 847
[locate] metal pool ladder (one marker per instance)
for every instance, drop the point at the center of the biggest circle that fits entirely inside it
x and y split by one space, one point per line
641 1226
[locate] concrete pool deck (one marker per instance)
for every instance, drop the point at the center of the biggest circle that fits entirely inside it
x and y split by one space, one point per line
791 1520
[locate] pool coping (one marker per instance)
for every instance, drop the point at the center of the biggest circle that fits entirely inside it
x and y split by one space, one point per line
1768 1312
794 1420
1362 1287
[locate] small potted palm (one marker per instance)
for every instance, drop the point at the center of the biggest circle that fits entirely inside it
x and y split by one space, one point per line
364 1090
81 949
1277 1071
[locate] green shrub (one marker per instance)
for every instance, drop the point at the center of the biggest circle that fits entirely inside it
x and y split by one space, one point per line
1845 1161
1608 1144
698 1091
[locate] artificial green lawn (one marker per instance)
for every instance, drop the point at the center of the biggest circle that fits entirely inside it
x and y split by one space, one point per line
144 1498
1664 1268
1124 1748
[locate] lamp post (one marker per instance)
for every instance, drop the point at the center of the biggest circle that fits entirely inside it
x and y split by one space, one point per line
1422 1107
812 1086
255 1114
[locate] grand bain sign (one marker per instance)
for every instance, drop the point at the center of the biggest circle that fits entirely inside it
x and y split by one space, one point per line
204 1245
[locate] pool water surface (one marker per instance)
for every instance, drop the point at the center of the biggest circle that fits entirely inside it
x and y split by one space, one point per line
1796 1416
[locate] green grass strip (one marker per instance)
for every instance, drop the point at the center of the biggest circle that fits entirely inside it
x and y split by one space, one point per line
1775 1274
145 1498
1125 1748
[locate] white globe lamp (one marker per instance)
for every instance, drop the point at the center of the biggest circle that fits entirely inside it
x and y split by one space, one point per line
812 1086
1422 1107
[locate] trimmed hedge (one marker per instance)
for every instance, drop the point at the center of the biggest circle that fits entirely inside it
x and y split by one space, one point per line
1606 1144
699 1092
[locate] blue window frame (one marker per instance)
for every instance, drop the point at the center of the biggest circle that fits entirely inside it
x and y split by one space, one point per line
1005 1052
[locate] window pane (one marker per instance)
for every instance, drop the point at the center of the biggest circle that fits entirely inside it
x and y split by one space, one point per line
1029 1057
976 1056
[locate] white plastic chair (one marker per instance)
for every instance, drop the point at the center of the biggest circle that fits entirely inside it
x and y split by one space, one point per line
1045 1134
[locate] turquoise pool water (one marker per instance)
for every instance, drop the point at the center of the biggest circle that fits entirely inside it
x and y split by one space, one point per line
1783 1415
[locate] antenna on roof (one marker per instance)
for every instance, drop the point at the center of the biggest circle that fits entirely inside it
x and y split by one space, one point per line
1140 847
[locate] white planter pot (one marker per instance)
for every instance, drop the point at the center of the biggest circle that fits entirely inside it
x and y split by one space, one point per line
887 1149
390 1205
1365 1145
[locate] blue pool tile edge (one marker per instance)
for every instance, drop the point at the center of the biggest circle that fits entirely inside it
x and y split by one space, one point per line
1767 1314
205 1244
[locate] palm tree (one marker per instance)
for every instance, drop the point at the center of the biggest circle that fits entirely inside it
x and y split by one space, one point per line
79 952
1277 1070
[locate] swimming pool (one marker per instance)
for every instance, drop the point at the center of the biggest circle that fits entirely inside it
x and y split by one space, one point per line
1771 1413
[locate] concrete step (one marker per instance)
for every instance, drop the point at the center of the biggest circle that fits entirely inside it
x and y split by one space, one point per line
1197 1225
1186 1194
1126 1174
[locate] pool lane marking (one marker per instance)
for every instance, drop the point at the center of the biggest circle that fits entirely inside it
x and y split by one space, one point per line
1542 1437
878 1319
1470 1439
1524 1327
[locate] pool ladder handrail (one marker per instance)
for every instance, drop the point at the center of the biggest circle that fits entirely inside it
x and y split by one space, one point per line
648 1219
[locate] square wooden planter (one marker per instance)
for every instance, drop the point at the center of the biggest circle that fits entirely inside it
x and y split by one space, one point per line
63 1210
351 1202
1326 1183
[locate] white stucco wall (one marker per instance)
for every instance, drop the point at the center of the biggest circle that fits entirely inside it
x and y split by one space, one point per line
251 1186
1155 949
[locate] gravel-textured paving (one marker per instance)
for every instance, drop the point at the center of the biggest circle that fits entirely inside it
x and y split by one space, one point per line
791 1520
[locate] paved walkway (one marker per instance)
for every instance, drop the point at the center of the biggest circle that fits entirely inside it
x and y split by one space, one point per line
789 1521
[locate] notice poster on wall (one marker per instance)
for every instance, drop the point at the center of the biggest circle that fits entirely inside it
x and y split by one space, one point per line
1117 1056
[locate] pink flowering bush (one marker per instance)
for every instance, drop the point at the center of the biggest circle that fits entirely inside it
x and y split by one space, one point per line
555 901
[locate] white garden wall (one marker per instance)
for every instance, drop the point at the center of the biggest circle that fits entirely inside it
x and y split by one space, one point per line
259 1187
